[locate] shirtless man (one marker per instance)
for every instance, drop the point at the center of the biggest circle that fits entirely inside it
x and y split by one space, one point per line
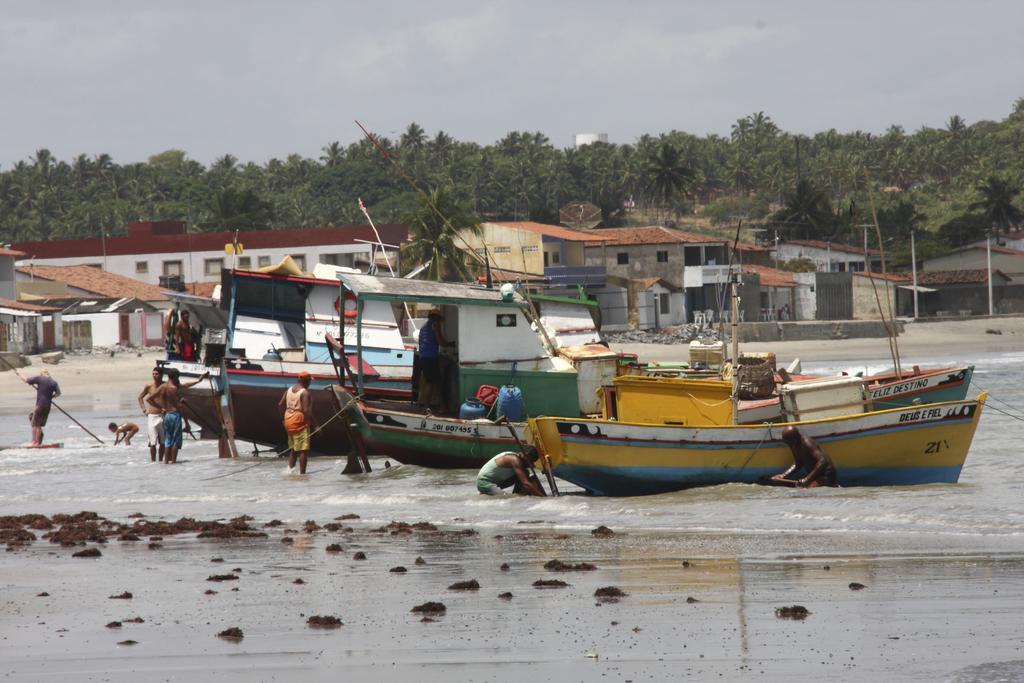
168 400
808 457
183 340
125 432
154 420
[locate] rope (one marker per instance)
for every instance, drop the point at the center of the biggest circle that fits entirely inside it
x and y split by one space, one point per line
760 443
991 397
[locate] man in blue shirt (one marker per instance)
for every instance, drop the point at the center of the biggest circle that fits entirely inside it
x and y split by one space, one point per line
431 390
46 390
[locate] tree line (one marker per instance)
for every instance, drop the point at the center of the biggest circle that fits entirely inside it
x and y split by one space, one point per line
950 184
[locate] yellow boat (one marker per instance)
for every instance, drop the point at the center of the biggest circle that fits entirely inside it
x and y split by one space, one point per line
902 446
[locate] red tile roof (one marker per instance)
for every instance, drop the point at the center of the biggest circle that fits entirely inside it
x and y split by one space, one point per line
204 289
96 281
555 231
978 276
154 237
743 246
647 282
652 234
891 277
23 306
771 277
834 246
11 252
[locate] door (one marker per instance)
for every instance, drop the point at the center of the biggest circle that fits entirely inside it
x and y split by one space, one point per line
49 342
125 329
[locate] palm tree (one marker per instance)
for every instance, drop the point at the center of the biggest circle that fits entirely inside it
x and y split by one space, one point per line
996 204
332 154
807 209
667 176
414 136
231 209
435 226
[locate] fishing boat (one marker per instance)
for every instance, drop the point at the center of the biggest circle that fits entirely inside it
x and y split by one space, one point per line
273 327
899 446
554 360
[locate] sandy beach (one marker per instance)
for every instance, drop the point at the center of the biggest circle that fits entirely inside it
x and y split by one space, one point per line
918 583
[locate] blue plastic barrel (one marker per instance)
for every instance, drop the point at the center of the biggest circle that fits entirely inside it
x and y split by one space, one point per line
472 409
510 402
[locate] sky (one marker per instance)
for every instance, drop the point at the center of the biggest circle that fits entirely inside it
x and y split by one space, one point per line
260 79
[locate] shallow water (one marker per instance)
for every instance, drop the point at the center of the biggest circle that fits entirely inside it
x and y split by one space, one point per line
981 512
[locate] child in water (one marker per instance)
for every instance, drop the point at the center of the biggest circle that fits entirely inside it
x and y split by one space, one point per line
125 431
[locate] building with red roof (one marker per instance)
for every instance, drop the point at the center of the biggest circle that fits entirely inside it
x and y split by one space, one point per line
165 249
828 256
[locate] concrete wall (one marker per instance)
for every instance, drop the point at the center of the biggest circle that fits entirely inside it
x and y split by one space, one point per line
643 261
106 327
814 331
675 306
865 306
806 302
614 303
509 249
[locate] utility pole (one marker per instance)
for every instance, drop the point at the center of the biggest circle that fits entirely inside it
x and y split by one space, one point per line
913 269
828 252
867 258
988 255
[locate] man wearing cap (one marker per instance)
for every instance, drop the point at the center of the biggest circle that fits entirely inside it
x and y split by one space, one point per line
431 393
296 406
46 390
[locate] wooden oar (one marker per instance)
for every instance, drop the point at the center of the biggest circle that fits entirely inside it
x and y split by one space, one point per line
54 403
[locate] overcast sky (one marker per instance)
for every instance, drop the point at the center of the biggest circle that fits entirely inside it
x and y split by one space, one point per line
264 79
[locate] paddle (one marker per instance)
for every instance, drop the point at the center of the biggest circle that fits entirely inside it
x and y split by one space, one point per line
54 403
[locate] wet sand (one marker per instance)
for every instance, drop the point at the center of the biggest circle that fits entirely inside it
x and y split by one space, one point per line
919 341
686 613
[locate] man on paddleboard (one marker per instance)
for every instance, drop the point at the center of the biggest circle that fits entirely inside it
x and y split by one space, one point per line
46 390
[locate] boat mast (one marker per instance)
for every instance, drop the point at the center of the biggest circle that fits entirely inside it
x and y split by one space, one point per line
735 342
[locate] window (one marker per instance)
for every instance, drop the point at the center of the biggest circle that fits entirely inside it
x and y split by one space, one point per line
244 262
480 251
662 257
300 261
212 266
530 248
172 268
503 250
622 258
141 267
556 257
663 302
262 261
344 260
547 256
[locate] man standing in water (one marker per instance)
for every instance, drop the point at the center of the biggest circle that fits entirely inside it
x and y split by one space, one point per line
808 457
167 400
154 420
46 390
296 407
507 469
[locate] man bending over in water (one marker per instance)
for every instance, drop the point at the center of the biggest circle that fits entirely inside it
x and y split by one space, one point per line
125 432
808 457
508 469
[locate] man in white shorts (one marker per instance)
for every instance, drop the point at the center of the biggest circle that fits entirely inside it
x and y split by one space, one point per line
154 420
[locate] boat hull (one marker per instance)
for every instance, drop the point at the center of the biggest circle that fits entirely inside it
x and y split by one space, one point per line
430 441
901 446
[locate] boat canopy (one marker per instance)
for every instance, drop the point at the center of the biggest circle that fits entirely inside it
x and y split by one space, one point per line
370 287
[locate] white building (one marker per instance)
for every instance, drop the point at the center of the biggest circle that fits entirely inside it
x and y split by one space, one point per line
827 256
590 138
155 250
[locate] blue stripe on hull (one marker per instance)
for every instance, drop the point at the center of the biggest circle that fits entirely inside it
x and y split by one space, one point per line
642 481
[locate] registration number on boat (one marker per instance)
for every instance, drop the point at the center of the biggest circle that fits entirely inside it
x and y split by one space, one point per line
451 429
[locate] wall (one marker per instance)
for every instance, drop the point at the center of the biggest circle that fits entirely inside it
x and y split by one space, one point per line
614 303
675 304
975 259
506 247
7 288
805 299
643 261
865 306
106 330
